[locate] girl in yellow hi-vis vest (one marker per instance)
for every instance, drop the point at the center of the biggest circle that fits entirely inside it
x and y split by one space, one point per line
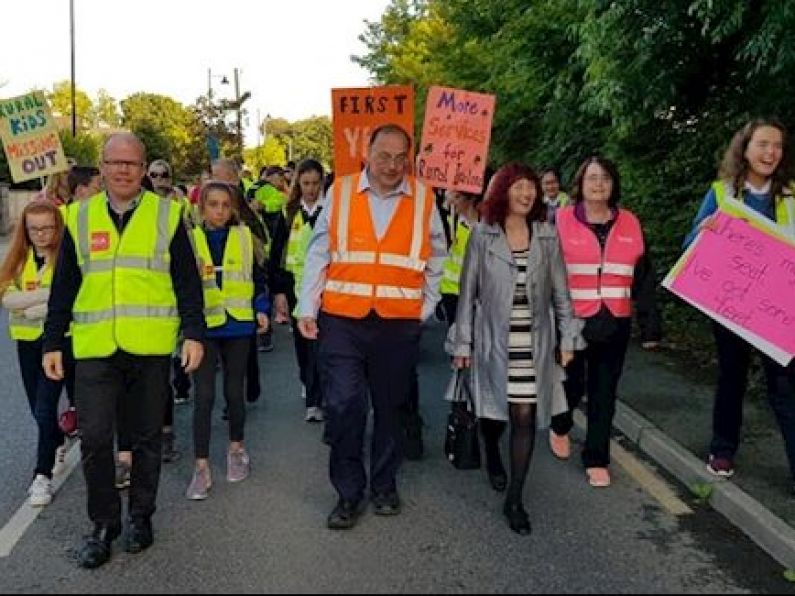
752 182
25 279
235 307
288 254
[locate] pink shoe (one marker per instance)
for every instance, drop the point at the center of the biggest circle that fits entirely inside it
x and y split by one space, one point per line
598 477
560 445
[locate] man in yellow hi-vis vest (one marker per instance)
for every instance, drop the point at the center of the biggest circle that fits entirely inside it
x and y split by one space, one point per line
127 283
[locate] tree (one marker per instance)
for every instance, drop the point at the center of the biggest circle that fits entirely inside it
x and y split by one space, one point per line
163 124
313 138
84 148
106 110
61 102
271 153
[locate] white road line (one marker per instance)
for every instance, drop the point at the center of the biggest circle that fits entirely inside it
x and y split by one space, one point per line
15 529
645 477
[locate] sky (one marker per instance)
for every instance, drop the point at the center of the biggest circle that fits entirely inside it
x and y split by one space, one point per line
290 53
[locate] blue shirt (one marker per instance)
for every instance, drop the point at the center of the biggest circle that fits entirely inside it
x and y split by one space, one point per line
762 203
216 241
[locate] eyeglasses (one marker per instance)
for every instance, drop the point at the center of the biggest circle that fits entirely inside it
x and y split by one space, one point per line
154 175
118 164
397 160
33 231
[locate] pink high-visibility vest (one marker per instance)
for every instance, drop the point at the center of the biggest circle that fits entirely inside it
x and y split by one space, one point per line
597 278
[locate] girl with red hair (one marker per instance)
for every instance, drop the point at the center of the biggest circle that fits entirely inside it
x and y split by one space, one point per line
25 279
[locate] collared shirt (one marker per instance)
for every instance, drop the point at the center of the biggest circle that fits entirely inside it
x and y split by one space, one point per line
382 210
129 207
311 211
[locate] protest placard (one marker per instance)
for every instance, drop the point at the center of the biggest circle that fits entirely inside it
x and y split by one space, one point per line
30 137
744 278
357 112
455 139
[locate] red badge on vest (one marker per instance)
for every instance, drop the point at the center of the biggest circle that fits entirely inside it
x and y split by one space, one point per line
100 241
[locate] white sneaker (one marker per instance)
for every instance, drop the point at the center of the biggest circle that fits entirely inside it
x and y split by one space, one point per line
303 392
40 491
314 415
60 461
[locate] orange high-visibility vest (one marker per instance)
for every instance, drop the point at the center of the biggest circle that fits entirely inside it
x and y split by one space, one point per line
596 278
367 274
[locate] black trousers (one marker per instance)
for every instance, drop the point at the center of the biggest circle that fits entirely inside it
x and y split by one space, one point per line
596 371
307 353
361 357
140 384
253 388
734 360
43 397
233 353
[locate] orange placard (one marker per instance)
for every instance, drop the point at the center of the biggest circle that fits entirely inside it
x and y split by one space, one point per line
357 112
455 139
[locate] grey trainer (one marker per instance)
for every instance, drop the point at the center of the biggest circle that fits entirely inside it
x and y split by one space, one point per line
238 466
200 485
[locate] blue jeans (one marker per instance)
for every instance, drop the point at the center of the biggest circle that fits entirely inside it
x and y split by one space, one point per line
43 397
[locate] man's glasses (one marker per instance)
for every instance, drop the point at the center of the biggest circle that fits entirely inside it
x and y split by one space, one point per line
118 164
154 175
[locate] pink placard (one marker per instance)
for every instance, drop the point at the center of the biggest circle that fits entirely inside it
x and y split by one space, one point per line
455 139
745 279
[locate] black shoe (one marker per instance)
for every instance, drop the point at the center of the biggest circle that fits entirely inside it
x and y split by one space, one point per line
139 536
517 517
95 550
344 516
386 504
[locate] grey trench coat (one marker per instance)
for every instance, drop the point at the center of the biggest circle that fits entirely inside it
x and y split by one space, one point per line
482 323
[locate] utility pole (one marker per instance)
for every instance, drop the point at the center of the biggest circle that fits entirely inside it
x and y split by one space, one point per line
74 90
239 115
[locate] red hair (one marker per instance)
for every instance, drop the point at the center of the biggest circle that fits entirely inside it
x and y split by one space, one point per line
495 207
21 244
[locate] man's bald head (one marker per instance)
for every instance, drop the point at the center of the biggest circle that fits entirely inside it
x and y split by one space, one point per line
226 170
124 138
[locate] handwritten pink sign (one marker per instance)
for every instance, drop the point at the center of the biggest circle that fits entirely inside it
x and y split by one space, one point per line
455 139
745 279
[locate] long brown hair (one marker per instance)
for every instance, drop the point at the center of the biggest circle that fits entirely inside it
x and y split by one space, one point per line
734 168
294 202
20 246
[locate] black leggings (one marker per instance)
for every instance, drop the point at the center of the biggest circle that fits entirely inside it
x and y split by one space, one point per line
233 353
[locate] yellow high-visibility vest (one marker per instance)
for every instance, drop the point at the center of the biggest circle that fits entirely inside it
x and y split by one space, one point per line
236 294
126 300
33 278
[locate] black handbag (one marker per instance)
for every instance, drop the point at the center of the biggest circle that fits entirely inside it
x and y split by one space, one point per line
461 443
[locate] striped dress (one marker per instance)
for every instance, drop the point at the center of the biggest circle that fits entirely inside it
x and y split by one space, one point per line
521 369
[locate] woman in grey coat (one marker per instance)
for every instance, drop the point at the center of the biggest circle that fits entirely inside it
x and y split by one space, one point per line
514 310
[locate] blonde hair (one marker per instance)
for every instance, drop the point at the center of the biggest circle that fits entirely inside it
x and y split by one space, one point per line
57 188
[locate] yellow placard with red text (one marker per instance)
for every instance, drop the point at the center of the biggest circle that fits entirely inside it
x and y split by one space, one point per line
359 111
30 137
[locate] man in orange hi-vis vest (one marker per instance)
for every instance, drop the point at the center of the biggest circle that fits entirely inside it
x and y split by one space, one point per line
371 278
